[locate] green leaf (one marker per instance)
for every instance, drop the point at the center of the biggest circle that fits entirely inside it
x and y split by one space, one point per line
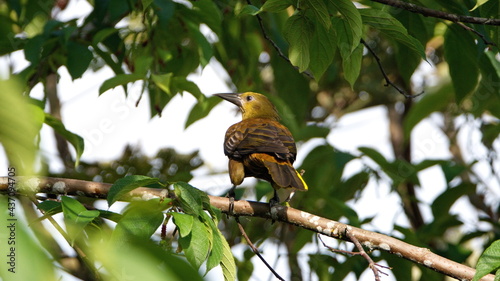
165 11
249 10
489 261
20 123
394 30
323 47
79 58
393 169
275 6
140 220
162 81
298 31
180 84
72 138
119 79
491 9
210 14
125 185
349 26
102 34
204 47
352 65
33 49
478 4
430 102
76 216
227 262
462 61
141 259
196 245
486 97
50 207
311 131
142 64
189 198
217 248
445 200
183 222
201 109
320 11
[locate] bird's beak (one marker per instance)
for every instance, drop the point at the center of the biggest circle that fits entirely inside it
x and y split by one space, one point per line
234 98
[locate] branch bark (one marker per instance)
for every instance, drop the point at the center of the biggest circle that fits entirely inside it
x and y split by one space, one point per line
438 14
369 239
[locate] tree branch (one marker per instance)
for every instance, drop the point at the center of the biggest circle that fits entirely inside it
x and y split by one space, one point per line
387 80
438 14
255 250
369 239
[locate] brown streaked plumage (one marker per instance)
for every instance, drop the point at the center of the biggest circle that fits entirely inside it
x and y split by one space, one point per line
260 146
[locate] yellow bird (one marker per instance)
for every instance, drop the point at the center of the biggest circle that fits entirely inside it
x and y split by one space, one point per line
260 146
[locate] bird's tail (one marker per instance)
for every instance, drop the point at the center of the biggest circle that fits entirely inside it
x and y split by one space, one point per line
284 175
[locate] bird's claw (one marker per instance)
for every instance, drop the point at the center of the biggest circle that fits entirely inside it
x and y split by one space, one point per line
231 194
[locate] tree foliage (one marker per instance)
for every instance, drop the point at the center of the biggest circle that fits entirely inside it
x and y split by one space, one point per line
318 60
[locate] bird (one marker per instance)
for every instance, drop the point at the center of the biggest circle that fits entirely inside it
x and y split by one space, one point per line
260 146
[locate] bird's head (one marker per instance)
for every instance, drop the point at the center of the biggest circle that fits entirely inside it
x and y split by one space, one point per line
252 105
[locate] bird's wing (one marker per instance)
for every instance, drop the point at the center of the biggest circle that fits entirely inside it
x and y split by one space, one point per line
259 136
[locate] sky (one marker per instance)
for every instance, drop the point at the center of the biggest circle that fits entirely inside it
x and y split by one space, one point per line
111 121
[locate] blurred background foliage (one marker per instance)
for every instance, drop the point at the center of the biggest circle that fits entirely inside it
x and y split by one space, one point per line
333 48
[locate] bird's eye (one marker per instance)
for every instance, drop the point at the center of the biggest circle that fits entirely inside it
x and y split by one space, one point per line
249 98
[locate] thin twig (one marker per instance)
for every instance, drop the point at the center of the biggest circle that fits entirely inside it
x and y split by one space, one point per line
374 266
275 46
438 14
362 252
477 33
255 250
387 80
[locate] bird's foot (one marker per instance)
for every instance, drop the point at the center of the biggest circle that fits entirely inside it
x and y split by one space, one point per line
231 194
274 205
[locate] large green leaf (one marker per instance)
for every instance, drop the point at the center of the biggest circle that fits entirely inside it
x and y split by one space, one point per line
183 222
298 31
445 200
79 58
320 12
352 65
120 79
140 220
275 6
140 259
201 109
217 248
76 216
462 61
349 26
491 9
323 47
394 30
489 261
429 103
227 262
196 245
209 14
189 198
72 138
20 122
